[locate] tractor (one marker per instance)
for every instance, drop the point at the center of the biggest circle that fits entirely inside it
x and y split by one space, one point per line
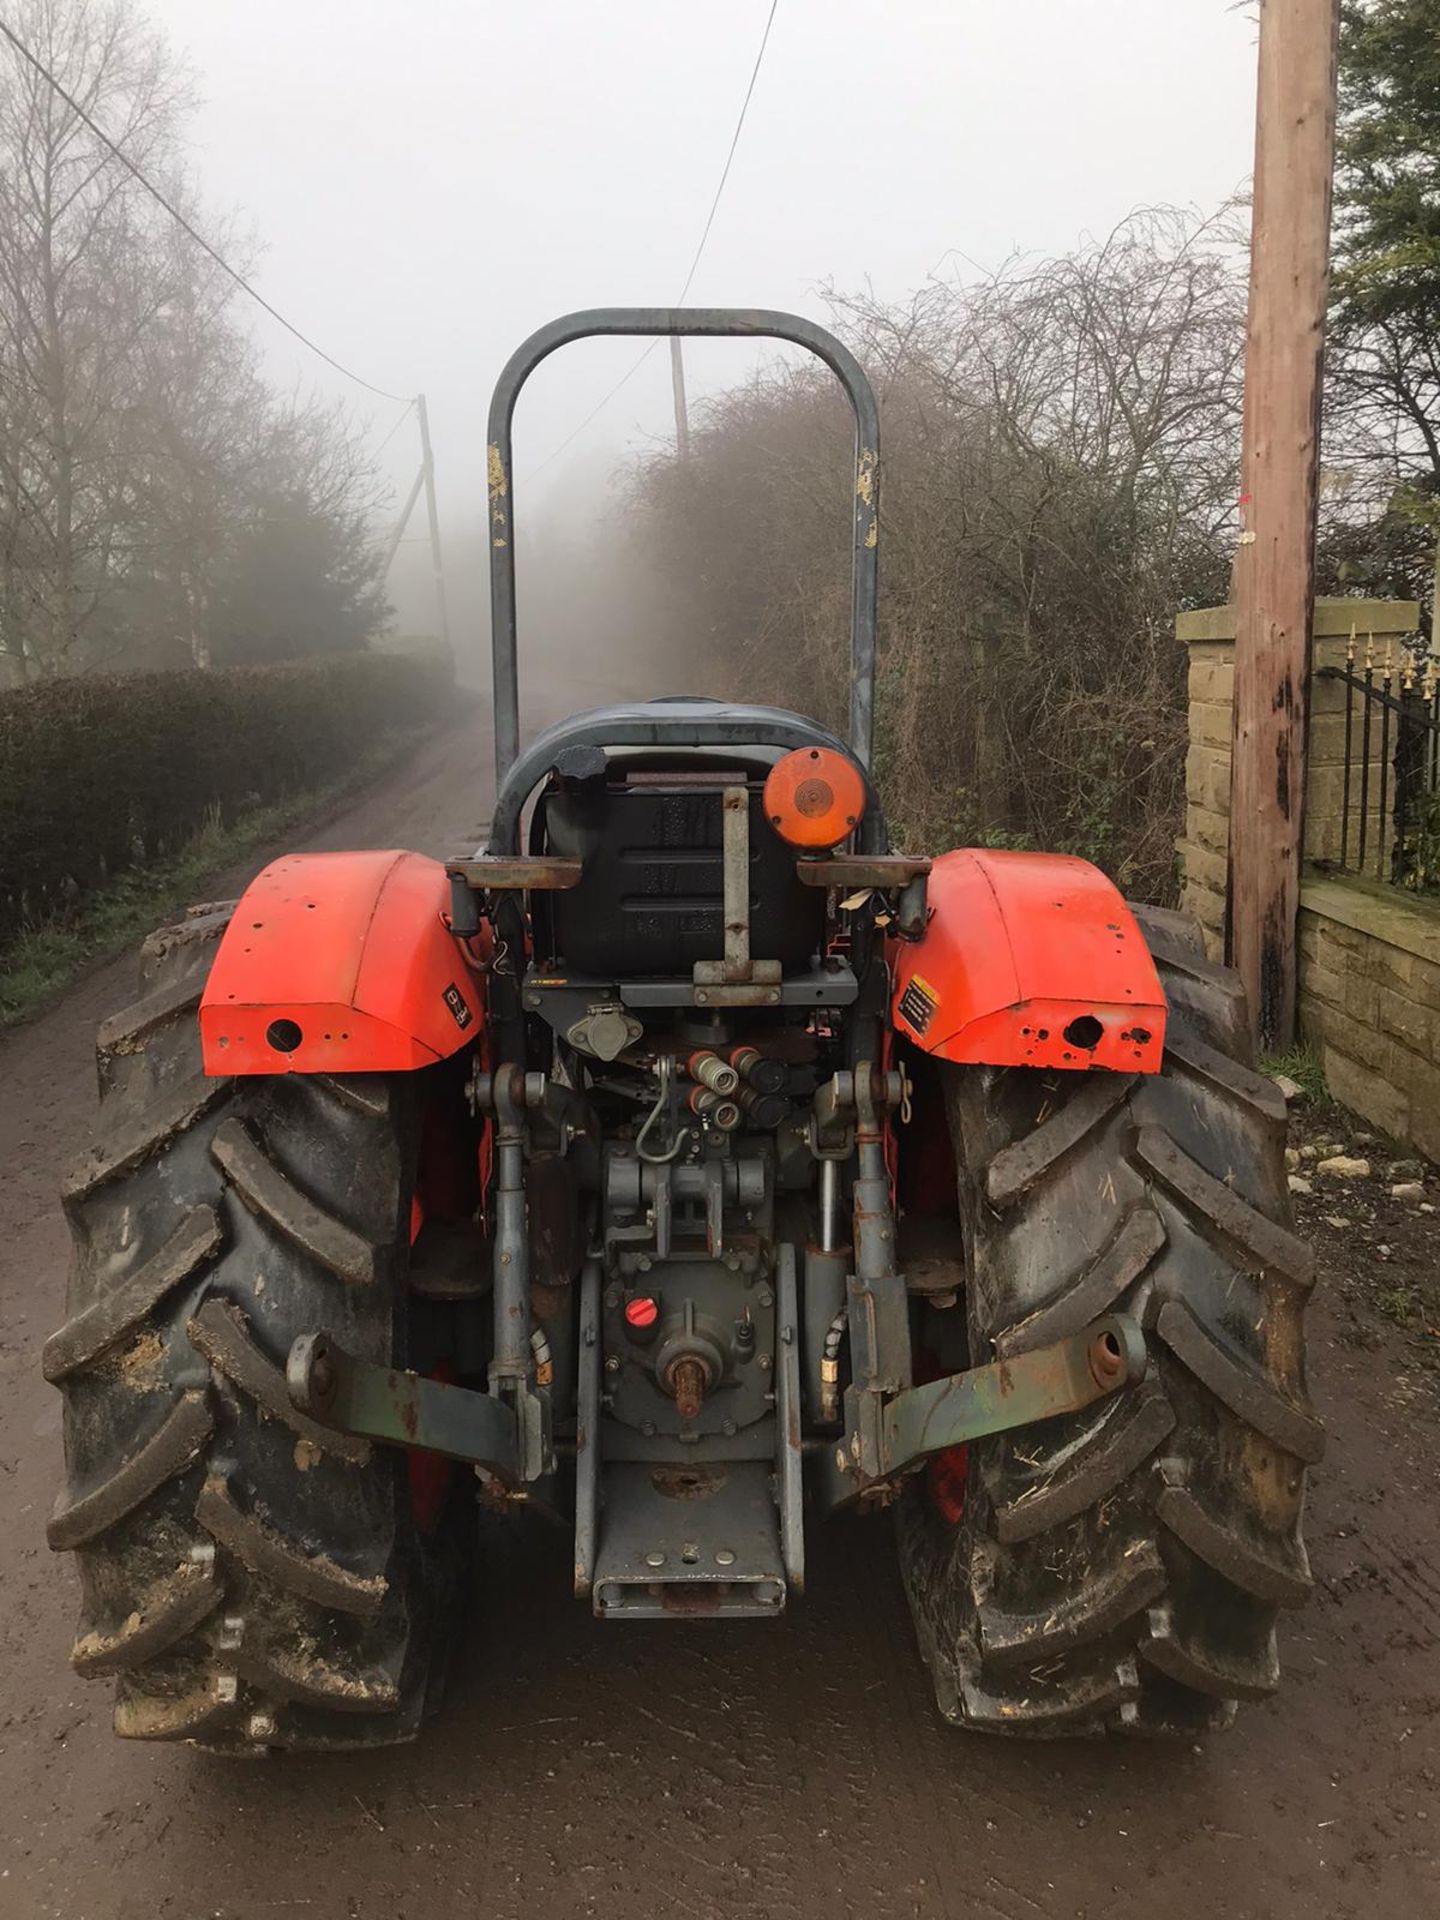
685 1166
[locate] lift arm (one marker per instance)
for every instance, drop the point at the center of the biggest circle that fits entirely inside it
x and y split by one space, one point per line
407 1410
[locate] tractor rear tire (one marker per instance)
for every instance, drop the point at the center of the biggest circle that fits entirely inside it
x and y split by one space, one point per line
1122 1568
254 1580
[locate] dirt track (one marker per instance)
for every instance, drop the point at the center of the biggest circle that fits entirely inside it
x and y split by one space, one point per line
796 1768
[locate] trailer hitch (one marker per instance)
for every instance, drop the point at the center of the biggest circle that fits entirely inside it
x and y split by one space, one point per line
402 1409
1106 1357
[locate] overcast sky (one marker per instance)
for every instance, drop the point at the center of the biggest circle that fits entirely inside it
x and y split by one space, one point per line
431 180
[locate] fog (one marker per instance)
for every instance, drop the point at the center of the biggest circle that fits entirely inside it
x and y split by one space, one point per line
430 183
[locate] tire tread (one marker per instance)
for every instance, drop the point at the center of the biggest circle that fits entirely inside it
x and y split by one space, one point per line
1122 1569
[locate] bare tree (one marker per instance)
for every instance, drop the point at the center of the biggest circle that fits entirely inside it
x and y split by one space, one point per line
77 261
144 464
1060 476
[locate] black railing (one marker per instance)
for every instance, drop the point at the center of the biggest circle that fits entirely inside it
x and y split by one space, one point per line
1390 802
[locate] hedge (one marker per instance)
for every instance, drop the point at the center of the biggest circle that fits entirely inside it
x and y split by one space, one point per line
106 772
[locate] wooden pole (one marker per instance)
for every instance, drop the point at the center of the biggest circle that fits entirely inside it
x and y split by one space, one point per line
393 546
1275 569
427 467
677 388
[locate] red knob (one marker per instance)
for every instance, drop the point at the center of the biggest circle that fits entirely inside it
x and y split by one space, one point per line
642 1312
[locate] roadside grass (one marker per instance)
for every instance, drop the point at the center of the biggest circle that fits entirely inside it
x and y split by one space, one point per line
45 959
1300 1063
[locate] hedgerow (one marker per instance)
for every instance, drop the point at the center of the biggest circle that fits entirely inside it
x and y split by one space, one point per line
106 773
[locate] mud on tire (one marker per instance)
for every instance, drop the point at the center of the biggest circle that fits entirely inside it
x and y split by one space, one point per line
254 1580
1123 1568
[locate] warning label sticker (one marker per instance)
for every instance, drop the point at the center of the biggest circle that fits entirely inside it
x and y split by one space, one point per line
455 1001
918 1003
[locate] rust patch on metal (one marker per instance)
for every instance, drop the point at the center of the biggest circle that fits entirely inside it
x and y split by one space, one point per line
702 1597
502 873
688 1483
687 1378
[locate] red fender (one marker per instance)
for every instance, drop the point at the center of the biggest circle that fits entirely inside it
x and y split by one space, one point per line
340 963
1029 960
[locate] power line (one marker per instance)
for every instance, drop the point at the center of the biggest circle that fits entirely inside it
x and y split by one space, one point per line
180 220
628 376
400 420
730 156
596 410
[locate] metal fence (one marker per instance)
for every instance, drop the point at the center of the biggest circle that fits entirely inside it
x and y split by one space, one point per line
1390 802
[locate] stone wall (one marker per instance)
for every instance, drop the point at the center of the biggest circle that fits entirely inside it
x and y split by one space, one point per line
1370 999
1369 953
1370 627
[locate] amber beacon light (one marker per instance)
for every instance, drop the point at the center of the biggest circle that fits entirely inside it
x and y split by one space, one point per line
814 798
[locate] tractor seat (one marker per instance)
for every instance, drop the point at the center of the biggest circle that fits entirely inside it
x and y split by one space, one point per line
650 898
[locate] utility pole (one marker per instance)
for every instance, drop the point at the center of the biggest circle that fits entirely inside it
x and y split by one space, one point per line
400 525
1275 570
427 467
677 387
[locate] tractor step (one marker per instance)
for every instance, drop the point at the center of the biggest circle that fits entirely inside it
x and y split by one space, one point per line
688 1539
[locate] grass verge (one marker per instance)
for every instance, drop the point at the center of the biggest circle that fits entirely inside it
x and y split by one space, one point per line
43 961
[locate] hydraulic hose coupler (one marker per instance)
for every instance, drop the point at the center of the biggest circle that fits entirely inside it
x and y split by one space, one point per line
763 1074
721 1113
766 1110
709 1070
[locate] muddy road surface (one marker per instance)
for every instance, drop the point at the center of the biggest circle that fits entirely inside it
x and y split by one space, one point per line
794 1768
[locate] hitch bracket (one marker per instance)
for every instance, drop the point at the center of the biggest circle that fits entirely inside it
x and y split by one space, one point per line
402 1409
1106 1357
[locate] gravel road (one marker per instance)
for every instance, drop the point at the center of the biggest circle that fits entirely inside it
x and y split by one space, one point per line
792 1768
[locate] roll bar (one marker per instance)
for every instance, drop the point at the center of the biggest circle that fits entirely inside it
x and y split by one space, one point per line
739 322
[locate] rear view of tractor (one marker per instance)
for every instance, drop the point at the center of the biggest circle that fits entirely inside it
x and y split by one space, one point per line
688 1164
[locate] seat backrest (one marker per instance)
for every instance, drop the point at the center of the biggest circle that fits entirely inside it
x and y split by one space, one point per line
650 902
